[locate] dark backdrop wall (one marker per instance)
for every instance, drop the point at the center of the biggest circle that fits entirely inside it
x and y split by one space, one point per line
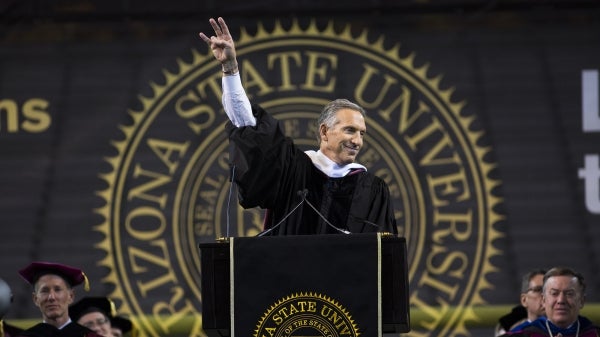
72 72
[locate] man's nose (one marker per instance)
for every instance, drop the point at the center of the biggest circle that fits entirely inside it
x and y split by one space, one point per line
51 295
357 139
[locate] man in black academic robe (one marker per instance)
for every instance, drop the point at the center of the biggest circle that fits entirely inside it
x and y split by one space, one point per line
274 174
53 293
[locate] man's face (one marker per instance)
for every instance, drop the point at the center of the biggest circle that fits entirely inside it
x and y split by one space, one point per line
532 299
53 296
97 322
343 140
562 300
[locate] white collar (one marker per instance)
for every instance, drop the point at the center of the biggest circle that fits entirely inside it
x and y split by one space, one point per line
329 167
62 326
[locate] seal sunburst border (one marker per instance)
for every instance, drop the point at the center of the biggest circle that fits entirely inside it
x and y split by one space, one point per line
318 296
345 35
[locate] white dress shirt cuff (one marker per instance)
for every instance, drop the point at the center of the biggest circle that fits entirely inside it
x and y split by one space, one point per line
235 101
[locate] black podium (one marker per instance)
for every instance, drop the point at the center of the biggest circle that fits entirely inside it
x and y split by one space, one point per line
318 285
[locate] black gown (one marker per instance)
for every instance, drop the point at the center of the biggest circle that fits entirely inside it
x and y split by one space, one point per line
47 330
9 330
272 173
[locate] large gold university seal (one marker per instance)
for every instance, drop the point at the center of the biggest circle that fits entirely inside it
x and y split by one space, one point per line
169 187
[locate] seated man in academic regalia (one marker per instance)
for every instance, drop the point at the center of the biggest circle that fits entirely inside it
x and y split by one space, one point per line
94 313
563 297
53 293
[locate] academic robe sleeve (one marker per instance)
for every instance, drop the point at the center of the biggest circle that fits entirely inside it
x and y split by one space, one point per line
263 160
384 213
371 209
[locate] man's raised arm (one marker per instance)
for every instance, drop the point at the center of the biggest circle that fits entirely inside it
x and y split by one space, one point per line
235 101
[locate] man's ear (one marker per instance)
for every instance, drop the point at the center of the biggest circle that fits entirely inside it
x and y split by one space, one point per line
543 299
523 299
71 295
323 132
34 298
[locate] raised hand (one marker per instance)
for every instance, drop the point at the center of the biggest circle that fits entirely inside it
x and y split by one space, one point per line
222 45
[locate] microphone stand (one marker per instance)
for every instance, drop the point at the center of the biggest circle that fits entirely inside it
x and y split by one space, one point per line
303 193
325 219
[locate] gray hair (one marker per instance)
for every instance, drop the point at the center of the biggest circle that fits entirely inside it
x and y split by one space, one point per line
527 278
563 271
328 117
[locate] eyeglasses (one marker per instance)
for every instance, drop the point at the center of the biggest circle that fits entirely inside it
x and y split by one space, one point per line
98 322
537 289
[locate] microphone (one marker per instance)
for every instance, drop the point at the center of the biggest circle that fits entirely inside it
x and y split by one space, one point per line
302 194
366 222
232 176
305 192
